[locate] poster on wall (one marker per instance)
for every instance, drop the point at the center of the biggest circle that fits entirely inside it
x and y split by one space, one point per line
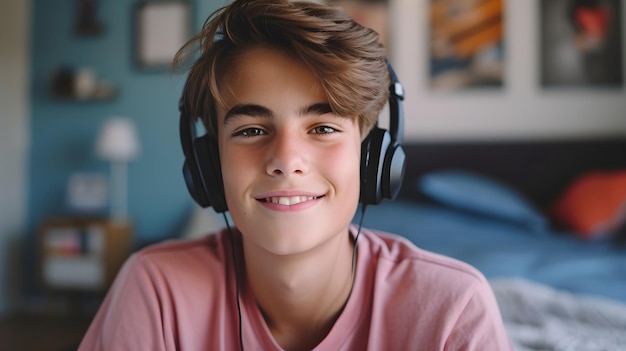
581 44
466 44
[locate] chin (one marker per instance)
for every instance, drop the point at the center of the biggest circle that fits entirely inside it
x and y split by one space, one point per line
291 239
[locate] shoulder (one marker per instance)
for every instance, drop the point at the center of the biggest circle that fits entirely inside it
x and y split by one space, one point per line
420 274
174 271
174 281
406 279
392 250
179 259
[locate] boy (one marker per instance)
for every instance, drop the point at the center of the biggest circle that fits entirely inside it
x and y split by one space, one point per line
287 92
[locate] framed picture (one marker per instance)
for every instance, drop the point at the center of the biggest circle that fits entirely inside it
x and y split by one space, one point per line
87 22
466 44
581 43
161 28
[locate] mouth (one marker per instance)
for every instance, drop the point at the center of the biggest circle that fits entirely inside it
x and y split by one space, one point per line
289 200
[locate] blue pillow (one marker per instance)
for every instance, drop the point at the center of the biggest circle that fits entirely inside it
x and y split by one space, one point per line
479 194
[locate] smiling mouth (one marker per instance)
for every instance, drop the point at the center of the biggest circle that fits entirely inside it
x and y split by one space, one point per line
289 200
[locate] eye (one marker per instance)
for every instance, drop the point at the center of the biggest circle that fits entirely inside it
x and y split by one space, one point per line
323 130
250 132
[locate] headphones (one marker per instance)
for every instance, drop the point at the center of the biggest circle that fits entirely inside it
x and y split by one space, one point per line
382 157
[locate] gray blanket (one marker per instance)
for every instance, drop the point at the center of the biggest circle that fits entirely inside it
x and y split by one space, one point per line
538 317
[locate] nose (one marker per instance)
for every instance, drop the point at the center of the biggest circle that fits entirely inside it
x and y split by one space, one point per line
286 155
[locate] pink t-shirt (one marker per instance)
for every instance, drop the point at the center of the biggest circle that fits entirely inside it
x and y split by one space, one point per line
180 295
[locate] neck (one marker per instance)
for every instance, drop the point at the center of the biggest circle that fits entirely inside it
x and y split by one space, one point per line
301 295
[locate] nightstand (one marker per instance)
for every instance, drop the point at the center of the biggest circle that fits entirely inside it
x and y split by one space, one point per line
82 254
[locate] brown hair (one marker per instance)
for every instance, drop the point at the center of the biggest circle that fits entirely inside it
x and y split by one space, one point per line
347 57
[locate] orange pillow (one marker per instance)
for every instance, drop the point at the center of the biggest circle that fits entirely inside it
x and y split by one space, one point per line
593 204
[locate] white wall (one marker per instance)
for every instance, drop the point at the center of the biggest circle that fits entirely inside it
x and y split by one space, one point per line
14 63
521 110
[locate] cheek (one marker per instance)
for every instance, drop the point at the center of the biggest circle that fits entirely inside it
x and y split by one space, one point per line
235 170
345 167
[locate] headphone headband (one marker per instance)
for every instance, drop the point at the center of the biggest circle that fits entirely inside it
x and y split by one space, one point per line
396 96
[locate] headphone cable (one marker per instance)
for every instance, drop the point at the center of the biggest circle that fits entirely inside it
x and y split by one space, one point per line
235 267
356 237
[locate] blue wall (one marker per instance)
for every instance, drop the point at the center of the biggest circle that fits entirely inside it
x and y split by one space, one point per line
63 133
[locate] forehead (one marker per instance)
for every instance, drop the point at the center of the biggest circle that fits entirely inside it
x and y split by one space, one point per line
265 74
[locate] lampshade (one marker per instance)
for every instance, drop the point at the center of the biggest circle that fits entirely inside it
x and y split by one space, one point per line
118 140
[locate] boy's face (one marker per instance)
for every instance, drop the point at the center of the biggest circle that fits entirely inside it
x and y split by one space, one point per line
290 166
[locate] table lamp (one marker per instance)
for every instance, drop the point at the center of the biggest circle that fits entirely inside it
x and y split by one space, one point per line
118 144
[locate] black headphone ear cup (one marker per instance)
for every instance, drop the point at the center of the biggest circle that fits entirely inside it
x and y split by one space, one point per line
373 154
201 168
194 183
393 171
210 172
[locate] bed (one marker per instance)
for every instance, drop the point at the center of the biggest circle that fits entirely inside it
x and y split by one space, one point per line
513 209
503 208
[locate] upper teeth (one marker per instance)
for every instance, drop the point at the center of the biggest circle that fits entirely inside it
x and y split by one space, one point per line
291 200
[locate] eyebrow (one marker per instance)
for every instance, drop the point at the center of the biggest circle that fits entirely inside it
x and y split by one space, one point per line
246 110
316 109
254 110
